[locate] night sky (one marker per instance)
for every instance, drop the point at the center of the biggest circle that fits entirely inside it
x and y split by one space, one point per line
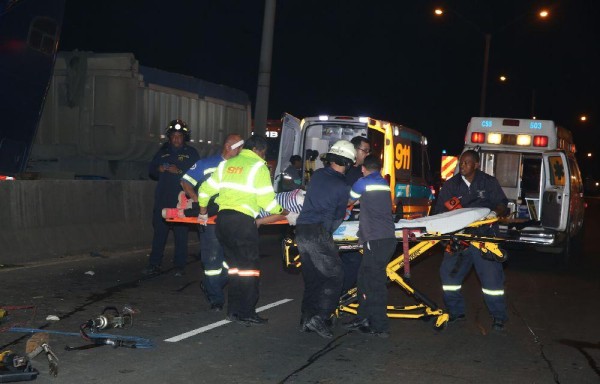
388 59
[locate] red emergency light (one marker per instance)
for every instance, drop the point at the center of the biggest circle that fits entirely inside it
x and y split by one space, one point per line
540 141
477 137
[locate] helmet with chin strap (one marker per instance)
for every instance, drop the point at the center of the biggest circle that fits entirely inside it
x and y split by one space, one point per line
178 125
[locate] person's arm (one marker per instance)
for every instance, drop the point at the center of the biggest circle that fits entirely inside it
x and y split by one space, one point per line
189 190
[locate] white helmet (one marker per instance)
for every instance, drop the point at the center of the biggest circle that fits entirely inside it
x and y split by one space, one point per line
345 149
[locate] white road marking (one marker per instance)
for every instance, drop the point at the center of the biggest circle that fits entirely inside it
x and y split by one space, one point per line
206 328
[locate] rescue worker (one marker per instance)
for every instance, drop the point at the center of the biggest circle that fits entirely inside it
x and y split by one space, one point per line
211 251
167 166
376 234
292 176
351 260
244 187
322 213
473 188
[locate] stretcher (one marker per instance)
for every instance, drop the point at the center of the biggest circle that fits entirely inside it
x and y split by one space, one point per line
426 232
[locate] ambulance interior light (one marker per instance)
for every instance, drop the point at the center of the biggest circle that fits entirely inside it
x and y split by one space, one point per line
540 141
494 138
477 137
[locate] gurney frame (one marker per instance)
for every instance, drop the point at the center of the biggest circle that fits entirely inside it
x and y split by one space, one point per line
425 308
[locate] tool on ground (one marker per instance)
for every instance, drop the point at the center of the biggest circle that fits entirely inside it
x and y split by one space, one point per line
37 344
110 318
15 367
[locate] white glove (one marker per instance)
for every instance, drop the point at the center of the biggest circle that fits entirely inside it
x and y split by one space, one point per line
202 219
292 217
491 215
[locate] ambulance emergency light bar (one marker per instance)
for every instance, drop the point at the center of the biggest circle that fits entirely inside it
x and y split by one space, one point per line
517 132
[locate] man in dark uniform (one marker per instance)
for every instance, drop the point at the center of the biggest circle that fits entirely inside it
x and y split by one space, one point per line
322 213
351 260
474 188
168 165
376 233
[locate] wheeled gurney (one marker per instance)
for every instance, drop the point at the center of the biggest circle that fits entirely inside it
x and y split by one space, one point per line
426 232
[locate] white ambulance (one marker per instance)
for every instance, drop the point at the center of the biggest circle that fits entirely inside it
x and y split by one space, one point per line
534 161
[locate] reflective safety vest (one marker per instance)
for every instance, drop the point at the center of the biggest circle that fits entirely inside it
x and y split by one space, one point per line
243 184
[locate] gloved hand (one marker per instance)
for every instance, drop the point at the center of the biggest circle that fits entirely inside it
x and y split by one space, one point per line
292 217
202 219
491 215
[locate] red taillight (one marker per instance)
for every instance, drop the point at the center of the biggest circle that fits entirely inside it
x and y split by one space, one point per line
540 141
477 137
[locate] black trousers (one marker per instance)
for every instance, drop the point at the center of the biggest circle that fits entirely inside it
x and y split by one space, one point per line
372 283
238 235
321 270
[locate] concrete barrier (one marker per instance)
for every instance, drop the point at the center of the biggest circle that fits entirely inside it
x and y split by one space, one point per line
43 219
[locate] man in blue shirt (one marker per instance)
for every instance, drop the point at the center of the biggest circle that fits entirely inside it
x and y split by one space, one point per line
376 234
211 251
351 260
169 163
323 211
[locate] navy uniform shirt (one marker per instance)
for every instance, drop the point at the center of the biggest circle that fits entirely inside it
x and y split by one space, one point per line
376 218
484 192
326 199
168 186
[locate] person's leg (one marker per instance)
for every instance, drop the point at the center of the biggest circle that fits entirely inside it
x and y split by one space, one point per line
453 270
491 275
180 232
350 265
213 261
159 240
374 294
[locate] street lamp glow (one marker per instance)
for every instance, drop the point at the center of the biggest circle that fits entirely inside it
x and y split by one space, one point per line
438 11
544 13
583 118
589 154
503 78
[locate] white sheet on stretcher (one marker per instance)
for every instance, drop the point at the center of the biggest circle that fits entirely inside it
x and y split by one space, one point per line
446 222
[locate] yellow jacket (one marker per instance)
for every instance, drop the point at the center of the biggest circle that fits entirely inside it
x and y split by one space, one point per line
243 184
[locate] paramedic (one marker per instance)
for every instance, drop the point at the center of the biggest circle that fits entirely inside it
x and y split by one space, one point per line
322 213
168 165
244 187
474 188
351 260
211 252
376 234
292 176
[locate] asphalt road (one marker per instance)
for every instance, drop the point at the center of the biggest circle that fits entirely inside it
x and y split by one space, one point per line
552 336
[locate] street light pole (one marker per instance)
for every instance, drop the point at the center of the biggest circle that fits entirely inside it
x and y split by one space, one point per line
484 76
264 70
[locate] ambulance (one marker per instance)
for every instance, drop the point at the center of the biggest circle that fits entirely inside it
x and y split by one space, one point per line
403 152
534 161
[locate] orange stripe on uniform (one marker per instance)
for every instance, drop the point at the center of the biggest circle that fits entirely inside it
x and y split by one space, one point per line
249 273
233 271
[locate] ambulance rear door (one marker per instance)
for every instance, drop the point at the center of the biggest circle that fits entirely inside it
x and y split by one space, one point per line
289 144
556 193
